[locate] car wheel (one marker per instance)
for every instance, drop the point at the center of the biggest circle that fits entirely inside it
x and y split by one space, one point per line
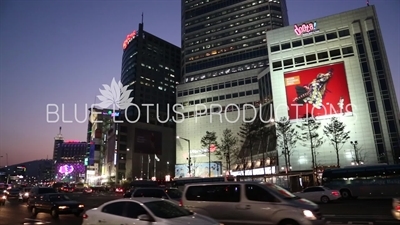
288 222
324 199
54 213
34 212
345 194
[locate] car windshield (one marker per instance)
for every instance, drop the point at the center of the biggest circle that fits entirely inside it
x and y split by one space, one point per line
281 191
46 190
174 193
166 210
57 198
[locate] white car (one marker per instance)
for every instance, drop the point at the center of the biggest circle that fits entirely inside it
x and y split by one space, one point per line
319 194
142 211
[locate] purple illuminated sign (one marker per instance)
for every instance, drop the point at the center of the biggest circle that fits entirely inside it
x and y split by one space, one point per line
70 170
305 28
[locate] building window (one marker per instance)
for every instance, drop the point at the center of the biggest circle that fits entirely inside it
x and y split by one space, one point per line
308 41
347 51
288 63
311 59
275 48
296 43
299 61
319 38
285 46
331 36
322 56
335 54
277 65
344 33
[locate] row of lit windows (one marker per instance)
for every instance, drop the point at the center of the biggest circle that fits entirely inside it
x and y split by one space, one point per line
225 71
227 26
227 41
227 59
223 109
229 33
161 88
311 40
228 49
152 68
227 19
152 81
221 97
229 11
213 6
312 58
220 86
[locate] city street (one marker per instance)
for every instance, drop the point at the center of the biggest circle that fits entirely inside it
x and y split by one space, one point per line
362 211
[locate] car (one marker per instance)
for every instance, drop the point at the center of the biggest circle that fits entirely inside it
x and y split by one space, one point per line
396 208
248 202
24 194
143 211
119 190
55 204
35 191
319 194
13 193
171 194
3 198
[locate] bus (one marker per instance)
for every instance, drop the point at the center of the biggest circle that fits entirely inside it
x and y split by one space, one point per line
364 180
181 182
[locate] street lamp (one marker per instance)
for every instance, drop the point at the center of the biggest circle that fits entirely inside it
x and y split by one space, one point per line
189 158
355 143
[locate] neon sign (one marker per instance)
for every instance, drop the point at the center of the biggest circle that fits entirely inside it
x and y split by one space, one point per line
128 39
305 28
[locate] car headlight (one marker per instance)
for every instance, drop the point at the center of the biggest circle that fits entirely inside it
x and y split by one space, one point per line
3 197
309 215
81 206
26 194
62 207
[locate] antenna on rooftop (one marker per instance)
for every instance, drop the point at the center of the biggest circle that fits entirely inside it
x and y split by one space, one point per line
367 2
142 17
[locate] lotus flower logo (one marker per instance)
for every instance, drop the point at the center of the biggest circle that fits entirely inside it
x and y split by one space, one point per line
66 169
114 95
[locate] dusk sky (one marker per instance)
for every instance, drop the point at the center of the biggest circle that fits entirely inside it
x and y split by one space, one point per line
62 52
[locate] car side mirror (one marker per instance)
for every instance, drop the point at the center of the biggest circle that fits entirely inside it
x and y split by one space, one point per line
144 217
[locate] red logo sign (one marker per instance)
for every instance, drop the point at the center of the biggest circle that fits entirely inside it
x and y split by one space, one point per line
128 39
305 28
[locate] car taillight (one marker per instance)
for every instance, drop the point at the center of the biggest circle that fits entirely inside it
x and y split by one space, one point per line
85 216
335 193
398 208
180 203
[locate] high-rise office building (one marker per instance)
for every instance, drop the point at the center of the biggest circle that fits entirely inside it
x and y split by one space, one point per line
336 66
151 69
224 51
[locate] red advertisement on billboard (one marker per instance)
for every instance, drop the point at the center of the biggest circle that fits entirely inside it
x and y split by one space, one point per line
319 91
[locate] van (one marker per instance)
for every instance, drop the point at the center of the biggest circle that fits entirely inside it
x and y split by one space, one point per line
250 203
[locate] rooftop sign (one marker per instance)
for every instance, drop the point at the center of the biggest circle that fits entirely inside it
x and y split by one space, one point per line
306 28
128 39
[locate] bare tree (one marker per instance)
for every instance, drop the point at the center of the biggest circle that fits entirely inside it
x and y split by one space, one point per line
207 141
337 136
227 144
287 139
240 158
310 137
249 134
194 166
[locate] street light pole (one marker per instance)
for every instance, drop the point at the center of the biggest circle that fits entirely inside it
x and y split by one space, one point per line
189 158
355 143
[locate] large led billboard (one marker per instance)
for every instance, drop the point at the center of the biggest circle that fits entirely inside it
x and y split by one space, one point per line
319 91
148 142
68 172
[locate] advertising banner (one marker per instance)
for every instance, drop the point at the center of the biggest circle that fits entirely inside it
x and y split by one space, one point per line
148 142
199 169
320 91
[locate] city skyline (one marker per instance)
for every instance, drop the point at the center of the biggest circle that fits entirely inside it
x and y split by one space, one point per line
40 56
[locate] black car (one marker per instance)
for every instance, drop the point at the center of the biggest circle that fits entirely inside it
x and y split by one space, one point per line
35 191
55 204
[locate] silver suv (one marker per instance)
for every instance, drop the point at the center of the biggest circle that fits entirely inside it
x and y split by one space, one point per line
250 203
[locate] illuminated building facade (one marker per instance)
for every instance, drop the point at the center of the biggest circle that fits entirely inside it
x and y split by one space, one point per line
336 66
151 69
100 153
223 51
71 155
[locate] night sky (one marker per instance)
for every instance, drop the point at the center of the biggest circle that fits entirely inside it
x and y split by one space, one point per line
62 52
